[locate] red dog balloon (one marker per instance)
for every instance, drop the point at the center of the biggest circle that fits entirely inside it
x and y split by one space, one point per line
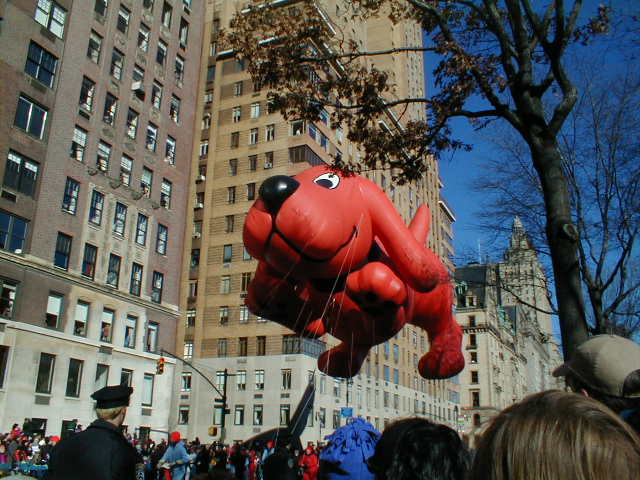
335 257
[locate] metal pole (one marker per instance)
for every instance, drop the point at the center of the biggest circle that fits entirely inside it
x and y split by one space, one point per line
224 407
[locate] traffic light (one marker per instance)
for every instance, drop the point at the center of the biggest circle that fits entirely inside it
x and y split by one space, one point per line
160 366
213 431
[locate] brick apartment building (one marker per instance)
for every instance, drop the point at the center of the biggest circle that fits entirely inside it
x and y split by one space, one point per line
96 128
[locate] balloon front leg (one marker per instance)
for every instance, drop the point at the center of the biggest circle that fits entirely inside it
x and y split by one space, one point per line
343 360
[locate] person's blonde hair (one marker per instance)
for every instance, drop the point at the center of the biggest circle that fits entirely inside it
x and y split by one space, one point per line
557 435
109 413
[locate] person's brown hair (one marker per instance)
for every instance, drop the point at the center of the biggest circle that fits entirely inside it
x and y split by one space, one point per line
559 435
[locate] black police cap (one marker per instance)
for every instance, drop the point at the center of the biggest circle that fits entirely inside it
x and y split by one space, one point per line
112 397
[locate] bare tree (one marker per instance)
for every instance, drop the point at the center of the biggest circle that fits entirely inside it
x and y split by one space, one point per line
601 162
509 53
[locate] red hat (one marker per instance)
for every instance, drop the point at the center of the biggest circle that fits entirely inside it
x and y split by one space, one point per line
175 437
54 438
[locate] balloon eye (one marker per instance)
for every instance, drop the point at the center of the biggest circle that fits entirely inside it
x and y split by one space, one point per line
328 180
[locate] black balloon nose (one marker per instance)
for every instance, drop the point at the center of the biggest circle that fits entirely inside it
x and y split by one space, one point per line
275 190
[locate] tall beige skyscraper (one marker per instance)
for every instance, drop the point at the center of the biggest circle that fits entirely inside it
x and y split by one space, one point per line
95 151
242 142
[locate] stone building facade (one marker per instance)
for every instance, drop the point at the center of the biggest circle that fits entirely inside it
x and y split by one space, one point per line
510 350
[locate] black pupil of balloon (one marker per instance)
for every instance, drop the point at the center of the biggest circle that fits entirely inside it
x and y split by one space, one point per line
324 182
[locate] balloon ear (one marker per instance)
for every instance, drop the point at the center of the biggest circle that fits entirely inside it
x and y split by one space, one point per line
417 265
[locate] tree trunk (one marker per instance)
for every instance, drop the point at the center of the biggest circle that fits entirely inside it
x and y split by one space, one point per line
562 236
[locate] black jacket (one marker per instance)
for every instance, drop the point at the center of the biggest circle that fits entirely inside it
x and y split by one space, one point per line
99 453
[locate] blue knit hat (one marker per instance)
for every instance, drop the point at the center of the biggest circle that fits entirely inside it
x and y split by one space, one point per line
349 449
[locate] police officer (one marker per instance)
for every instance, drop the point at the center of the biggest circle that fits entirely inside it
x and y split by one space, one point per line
100 452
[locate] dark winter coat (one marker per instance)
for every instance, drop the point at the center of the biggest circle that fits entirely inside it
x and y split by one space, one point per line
99 453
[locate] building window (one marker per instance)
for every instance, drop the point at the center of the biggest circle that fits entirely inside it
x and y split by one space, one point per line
161 239
245 281
222 347
117 64
259 379
141 229
132 123
74 378
227 253
244 314
174 109
130 328
21 173
242 346
474 376
156 287
297 127
135 285
183 415
102 376
161 54
245 254
89 261
126 166
270 132
179 69
472 320
156 95
261 346
236 114
235 139
253 136
106 325
31 117
475 398
286 379
183 33
113 271
79 143
251 191
41 65
472 340
238 415
147 390
268 160
208 96
191 317
62 251
95 45
46 368
143 37
225 284
151 337
126 377
167 13
223 314
170 150
396 353
285 414
231 195
54 310
195 257
124 16
237 89
87 92
96 207
51 16
120 219
165 193
103 156
255 109
152 137
81 318
241 380
229 223
473 357
257 414
146 181
186 382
